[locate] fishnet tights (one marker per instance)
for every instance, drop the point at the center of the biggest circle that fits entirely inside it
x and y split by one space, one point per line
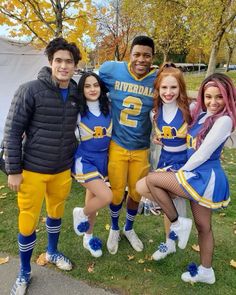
202 219
163 187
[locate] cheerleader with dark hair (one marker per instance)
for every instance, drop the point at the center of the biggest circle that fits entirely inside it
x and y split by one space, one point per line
91 158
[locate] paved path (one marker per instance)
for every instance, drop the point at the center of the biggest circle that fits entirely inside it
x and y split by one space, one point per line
46 281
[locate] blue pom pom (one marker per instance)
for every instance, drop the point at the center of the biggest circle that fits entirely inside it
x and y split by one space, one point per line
162 248
173 236
83 226
95 244
192 268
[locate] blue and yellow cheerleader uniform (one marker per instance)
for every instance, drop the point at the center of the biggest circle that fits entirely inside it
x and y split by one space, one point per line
207 183
91 157
173 137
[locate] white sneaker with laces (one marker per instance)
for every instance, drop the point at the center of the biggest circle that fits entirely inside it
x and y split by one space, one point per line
164 249
199 276
60 260
80 221
182 229
94 245
134 240
21 284
113 241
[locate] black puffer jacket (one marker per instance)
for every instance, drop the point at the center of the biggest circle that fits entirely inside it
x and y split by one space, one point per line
47 122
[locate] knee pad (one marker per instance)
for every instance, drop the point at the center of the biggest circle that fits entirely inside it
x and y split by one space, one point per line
134 195
27 223
57 210
118 197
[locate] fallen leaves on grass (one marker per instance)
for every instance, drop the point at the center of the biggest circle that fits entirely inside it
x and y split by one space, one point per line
141 261
233 263
222 214
3 196
234 222
150 241
235 231
91 267
107 226
147 270
147 257
196 248
130 257
4 260
42 259
2 186
1 212
43 219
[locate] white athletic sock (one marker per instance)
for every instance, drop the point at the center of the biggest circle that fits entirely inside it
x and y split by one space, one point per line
87 237
170 242
83 214
205 270
175 224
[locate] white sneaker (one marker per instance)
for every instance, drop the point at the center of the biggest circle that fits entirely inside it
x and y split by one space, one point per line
182 230
21 284
164 249
80 221
94 245
113 241
134 240
196 275
60 260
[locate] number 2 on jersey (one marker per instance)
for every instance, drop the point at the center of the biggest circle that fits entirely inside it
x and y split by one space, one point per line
133 106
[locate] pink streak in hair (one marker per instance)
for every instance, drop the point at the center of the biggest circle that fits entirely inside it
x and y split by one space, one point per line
229 109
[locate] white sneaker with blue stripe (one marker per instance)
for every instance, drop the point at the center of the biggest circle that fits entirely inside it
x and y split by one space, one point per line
21 284
60 260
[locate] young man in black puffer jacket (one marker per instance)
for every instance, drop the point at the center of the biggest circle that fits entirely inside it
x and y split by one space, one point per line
44 112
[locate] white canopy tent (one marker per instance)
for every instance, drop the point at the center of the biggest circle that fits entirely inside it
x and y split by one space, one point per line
19 63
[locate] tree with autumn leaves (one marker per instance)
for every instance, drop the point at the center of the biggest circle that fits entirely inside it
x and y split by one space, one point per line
42 20
209 21
186 25
196 28
117 27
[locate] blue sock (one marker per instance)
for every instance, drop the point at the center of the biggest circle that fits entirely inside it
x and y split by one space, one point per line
53 227
130 215
26 245
115 214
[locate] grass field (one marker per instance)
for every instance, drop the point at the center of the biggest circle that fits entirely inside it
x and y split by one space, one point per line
129 272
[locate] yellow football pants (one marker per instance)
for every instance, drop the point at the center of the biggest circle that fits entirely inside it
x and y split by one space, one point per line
126 167
36 187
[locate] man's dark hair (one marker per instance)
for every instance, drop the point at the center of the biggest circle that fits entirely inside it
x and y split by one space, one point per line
143 40
61 44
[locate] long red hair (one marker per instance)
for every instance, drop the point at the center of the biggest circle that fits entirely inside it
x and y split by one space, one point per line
169 69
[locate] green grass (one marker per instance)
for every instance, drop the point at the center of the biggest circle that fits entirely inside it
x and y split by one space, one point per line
130 276
193 81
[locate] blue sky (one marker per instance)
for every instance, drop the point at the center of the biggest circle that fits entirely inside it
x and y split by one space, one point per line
3 31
